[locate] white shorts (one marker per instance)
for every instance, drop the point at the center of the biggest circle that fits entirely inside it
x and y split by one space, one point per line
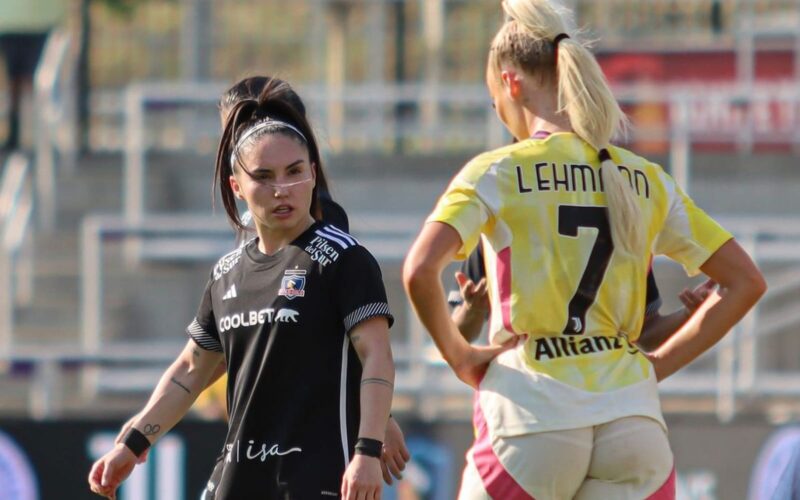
628 458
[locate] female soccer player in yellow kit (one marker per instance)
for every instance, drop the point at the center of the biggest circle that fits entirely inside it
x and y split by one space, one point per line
566 405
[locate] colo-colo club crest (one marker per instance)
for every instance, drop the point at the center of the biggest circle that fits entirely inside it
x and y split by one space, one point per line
293 284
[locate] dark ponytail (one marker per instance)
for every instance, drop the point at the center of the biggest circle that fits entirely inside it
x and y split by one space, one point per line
271 103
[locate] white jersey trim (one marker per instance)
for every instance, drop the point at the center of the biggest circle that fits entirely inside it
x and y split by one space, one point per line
334 238
343 403
345 236
203 339
366 312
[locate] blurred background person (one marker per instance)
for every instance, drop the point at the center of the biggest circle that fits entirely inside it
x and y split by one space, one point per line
24 28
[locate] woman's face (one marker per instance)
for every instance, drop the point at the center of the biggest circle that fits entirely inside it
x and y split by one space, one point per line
505 90
279 188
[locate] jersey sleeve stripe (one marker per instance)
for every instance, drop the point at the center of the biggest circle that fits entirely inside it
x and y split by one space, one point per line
340 242
366 312
343 402
337 231
202 338
504 286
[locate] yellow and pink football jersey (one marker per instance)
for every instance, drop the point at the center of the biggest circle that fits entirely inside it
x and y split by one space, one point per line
555 275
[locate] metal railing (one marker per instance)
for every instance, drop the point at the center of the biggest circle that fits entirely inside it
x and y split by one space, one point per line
334 111
726 373
46 395
189 239
55 93
738 372
737 116
185 237
16 268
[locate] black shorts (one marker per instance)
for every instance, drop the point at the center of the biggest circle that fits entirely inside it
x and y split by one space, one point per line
318 477
21 52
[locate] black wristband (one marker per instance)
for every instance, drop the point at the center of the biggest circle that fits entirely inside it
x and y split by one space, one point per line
136 442
369 447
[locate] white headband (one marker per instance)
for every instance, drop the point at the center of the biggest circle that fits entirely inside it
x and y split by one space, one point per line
267 122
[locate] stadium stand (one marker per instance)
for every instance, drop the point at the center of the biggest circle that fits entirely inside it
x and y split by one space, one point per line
392 145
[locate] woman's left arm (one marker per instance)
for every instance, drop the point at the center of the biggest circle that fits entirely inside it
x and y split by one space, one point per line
370 338
742 285
371 342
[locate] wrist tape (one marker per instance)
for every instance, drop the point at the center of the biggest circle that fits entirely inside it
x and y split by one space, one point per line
369 447
136 442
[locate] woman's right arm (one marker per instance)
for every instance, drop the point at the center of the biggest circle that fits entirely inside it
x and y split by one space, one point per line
433 249
218 372
180 385
743 285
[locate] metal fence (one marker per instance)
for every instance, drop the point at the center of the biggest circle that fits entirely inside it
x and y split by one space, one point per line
16 277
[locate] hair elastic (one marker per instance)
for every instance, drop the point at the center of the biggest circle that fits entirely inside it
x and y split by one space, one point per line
558 38
259 126
556 41
603 154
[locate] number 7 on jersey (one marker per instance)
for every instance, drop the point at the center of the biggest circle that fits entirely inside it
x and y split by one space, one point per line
570 219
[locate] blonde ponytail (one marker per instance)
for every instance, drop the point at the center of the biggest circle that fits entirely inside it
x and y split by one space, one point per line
527 41
625 216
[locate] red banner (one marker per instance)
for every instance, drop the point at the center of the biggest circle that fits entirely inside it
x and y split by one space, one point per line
719 115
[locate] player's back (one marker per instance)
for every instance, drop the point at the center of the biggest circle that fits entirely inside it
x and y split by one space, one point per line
550 255
556 275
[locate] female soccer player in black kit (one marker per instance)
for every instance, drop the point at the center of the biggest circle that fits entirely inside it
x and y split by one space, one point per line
300 316
395 453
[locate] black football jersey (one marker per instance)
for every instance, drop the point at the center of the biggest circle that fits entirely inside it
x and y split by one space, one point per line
282 322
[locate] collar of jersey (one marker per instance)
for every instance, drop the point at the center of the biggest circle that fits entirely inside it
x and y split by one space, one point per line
254 254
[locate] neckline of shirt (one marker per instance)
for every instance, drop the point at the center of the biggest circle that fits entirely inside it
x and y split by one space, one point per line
255 255
541 134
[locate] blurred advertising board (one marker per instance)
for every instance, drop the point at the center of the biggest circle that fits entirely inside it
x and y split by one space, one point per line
723 113
51 460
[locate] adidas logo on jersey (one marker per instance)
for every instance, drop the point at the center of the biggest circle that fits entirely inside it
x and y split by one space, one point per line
231 293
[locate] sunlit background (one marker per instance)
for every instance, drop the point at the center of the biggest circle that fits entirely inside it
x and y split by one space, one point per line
108 230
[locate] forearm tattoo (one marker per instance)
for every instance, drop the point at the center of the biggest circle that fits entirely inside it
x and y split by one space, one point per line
151 429
379 381
175 381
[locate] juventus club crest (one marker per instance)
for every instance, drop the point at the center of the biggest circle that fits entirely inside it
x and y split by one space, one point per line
293 284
